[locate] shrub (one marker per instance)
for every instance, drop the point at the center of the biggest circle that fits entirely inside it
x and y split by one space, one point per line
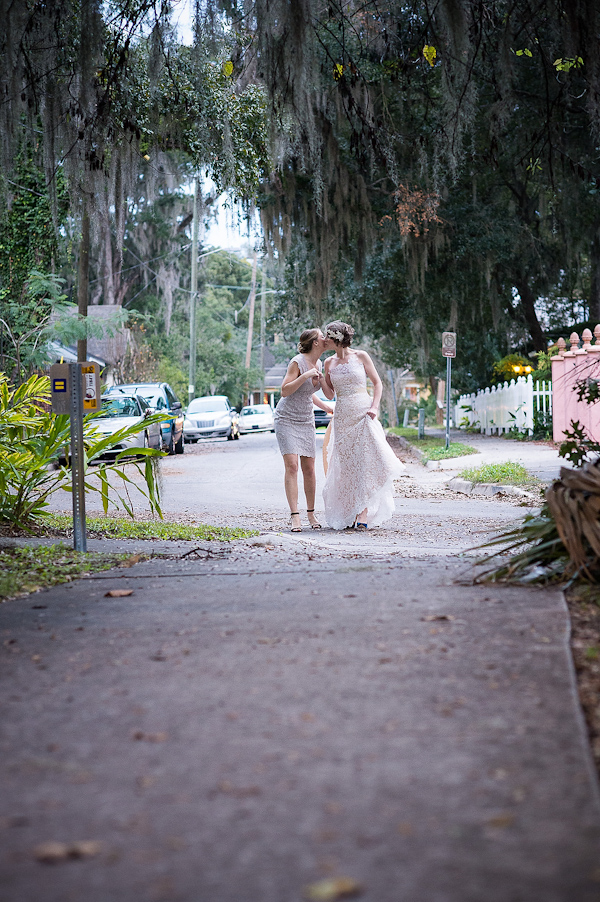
32 441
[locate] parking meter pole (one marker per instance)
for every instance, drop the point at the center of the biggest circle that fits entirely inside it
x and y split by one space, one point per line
77 458
448 386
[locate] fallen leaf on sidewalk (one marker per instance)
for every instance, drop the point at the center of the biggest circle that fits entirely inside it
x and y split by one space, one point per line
150 737
332 889
238 792
501 821
53 852
118 593
430 617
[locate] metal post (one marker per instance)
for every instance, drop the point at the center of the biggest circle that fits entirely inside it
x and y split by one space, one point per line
406 416
448 387
193 294
421 426
77 457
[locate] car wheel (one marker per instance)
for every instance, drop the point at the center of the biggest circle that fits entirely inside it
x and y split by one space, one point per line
171 445
237 434
230 435
272 430
180 447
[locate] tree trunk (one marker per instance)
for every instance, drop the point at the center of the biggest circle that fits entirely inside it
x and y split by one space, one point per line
83 279
594 314
528 308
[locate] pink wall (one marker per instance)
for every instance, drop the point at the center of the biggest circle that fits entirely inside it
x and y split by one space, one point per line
568 368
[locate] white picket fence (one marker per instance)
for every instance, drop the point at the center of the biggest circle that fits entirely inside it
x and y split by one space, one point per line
504 407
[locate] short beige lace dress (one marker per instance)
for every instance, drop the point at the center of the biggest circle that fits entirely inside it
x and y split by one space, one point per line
294 417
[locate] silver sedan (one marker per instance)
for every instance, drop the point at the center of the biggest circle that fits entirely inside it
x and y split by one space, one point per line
121 412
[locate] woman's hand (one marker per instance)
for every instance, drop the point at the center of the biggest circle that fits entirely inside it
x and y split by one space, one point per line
313 373
372 413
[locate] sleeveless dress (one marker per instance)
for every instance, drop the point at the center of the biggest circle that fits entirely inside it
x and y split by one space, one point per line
361 465
294 417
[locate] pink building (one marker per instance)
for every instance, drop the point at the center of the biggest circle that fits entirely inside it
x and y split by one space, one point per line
570 368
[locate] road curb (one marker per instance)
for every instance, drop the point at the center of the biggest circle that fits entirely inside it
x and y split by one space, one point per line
465 487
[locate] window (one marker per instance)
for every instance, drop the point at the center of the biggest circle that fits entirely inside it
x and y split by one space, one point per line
120 407
207 405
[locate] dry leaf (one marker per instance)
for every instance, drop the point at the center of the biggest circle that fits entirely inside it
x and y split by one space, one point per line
501 821
150 737
118 593
430 617
238 792
53 852
331 889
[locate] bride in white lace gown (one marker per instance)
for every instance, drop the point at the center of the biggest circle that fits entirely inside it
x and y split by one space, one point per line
361 466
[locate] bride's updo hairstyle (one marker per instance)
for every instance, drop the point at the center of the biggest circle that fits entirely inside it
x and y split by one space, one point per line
307 340
340 333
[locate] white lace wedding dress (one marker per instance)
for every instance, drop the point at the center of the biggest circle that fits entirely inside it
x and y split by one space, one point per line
361 465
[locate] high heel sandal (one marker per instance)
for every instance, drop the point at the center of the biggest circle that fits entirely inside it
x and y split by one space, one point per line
316 524
362 527
295 528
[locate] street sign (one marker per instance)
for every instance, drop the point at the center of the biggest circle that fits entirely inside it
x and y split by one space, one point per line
449 344
75 389
59 388
91 386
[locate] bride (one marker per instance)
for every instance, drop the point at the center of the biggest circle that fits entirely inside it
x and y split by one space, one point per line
359 488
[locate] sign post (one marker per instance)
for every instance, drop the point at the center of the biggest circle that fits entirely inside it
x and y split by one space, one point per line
75 389
448 351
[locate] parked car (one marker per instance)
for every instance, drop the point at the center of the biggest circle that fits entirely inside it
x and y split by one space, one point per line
322 418
122 411
257 418
211 416
159 396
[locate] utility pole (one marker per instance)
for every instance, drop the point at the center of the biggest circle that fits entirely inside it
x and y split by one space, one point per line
251 319
194 293
83 277
263 298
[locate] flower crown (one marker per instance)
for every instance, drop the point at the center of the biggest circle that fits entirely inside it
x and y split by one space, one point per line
335 334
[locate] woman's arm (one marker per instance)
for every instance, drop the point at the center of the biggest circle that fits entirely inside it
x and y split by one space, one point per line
377 386
294 379
319 403
327 387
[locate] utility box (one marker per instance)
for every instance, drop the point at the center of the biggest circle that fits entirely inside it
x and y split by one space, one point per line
60 386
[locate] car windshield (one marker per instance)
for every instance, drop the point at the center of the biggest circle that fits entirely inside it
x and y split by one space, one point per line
120 407
249 411
206 405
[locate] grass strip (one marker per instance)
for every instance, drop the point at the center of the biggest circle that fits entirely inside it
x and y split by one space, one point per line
507 473
28 568
433 447
124 528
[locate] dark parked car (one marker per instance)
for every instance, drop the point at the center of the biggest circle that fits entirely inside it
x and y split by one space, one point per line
322 418
159 396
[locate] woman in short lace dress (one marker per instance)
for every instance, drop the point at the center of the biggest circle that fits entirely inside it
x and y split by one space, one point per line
359 488
295 422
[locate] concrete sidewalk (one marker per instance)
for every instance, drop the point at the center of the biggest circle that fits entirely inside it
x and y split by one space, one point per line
244 726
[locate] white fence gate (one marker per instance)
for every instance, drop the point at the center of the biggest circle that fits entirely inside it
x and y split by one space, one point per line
505 407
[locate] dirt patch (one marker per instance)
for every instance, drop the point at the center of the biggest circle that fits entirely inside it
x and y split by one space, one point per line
584 608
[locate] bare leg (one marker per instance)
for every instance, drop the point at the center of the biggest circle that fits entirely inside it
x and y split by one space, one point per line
291 485
310 486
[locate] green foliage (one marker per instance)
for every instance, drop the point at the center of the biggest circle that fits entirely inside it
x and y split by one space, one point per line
32 439
29 568
537 553
577 445
119 528
511 367
506 473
